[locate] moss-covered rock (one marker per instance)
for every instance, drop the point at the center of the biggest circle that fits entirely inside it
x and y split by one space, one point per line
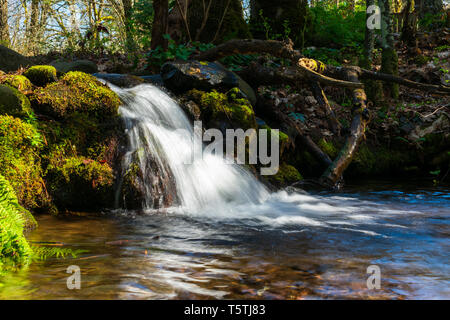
225 110
11 60
285 176
19 82
85 66
13 102
77 92
20 146
41 75
79 183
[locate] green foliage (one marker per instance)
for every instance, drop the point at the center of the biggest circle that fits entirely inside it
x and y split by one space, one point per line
336 27
20 145
77 92
41 75
433 21
14 249
45 253
159 56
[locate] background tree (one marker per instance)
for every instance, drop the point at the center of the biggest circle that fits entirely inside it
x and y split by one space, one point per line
4 28
389 62
216 20
160 23
276 19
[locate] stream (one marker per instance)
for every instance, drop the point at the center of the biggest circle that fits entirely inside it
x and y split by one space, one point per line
299 246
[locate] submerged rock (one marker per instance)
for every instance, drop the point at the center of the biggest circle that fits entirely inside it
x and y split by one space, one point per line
182 76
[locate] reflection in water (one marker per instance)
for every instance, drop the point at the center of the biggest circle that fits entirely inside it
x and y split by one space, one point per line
298 246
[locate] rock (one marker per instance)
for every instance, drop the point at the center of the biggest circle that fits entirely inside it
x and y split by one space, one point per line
85 66
155 79
79 183
19 82
120 80
13 102
310 100
224 110
41 75
11 60
182 76
76 92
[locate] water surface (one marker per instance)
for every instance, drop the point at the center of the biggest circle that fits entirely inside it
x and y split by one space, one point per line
298 246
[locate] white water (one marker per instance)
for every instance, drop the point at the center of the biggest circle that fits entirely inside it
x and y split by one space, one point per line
153 121
214 189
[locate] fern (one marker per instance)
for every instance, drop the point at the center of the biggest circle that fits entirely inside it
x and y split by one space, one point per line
14 248
44 253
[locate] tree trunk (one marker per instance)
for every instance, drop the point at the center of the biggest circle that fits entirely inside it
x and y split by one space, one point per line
4 28
389 62
373 88
224 21
33 28
127 13
160 23
279 19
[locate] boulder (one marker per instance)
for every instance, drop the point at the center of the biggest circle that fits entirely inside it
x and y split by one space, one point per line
16 81
41 75
13 102
128 80
11 60
182 76
85 66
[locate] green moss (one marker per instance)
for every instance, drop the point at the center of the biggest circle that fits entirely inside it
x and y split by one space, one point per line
41 75
78 183
77 92
18 82
20 146
328 147
14 248
379 160
13 102
389 65
285 176
228 107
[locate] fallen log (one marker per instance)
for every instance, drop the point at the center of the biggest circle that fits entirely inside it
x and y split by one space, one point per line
315 73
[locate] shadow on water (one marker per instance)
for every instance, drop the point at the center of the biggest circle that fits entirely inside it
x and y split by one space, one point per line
309 246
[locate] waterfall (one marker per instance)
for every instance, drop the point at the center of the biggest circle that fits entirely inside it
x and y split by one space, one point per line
160 142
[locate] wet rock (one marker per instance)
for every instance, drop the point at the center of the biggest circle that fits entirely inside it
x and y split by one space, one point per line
183 76
11 60
128 80
85 66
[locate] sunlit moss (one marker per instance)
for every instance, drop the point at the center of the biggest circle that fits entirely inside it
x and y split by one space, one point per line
13 102
41 75
230 106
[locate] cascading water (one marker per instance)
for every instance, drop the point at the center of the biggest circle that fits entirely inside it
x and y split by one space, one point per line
161 142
